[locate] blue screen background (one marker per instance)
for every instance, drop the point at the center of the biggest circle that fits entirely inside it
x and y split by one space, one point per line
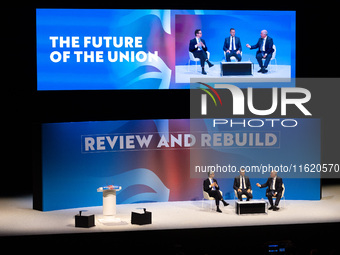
160 31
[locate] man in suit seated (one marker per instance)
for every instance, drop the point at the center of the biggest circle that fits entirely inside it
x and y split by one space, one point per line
211 187
242 185
232 46
274 189
265 50
198 47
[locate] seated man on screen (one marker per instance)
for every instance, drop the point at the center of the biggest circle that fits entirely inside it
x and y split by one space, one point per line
242 185
198 47
232 46
274 189
265 50
211 187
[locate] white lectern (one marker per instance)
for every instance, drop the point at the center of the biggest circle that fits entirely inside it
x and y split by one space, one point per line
109 199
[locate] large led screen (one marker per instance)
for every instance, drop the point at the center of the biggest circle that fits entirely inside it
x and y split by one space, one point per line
167 160
97 49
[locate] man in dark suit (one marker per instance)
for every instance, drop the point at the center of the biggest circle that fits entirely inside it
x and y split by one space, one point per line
242 185
232 46
274 189
265 50
211 187
198 47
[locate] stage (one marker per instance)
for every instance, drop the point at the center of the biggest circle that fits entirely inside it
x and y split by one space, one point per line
18 218
185 72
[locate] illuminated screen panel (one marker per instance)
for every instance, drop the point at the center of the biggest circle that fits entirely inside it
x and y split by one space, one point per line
153 159
94 49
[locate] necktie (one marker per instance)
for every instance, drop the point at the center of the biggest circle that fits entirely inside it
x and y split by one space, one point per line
273 188
243 184
199 40
232 43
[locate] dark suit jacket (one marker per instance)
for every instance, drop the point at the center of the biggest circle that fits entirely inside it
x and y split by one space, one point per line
237 43
237 182
206 185
192 44
268 46
278 184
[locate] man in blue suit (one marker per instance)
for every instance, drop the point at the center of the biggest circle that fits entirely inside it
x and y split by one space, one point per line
232 46
198 47
265 50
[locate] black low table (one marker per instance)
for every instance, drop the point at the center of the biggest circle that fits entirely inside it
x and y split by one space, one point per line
245 207
236 68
